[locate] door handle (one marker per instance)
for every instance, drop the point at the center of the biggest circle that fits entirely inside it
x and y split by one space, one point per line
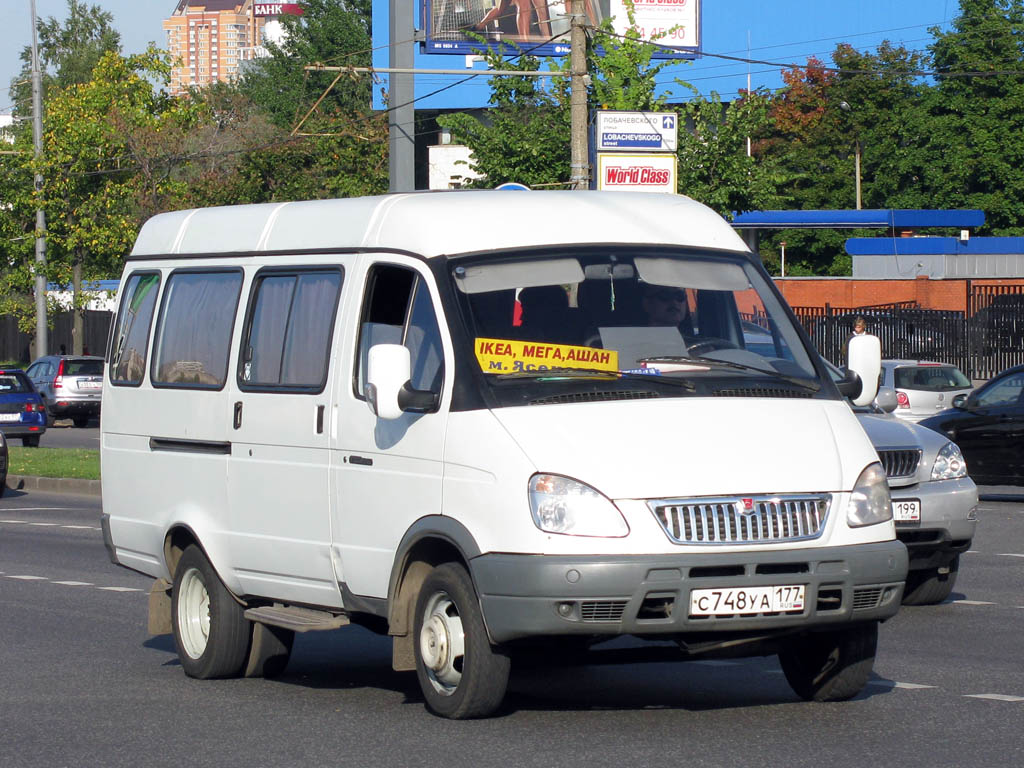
319 419
238 415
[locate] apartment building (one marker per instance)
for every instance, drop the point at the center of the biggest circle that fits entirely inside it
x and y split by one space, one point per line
211 38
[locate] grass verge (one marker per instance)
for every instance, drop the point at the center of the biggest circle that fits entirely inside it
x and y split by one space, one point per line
79 463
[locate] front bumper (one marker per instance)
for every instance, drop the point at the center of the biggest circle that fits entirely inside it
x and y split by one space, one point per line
648 595
946 527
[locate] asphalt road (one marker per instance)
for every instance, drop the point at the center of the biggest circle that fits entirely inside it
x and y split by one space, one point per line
64 434
82 684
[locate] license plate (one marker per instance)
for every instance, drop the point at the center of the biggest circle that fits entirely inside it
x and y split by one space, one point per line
90 385
737 600
10 417
906 511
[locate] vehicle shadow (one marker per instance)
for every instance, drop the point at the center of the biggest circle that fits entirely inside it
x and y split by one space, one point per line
353 657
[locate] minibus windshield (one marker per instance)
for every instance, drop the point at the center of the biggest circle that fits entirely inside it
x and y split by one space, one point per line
682 321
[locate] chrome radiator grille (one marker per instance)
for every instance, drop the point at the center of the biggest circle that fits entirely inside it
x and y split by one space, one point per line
752 520
900 463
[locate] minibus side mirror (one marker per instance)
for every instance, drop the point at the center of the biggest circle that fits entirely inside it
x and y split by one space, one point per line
389 392
885 400
864 358
387 373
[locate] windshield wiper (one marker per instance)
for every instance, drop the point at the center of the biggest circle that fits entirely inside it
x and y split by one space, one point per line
595 373
716 363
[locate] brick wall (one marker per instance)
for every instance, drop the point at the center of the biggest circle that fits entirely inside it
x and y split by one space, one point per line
848 292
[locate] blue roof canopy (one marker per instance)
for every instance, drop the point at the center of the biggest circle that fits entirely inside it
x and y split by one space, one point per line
925 246
899 218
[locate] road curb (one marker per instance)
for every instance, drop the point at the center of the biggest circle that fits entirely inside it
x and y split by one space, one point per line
53 484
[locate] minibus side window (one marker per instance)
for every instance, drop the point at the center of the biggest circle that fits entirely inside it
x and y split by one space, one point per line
397 309
194 333
288 333
131 337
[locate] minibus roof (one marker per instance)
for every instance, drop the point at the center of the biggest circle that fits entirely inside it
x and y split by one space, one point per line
440 223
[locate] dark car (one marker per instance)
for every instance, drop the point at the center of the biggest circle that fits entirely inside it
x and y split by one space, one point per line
22 413
3 464
71 385
988 425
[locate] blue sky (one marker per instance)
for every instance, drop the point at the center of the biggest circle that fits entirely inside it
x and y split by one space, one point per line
782 31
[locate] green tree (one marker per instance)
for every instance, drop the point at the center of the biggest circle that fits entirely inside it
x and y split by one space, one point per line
714 166
524 136
329 32
68 50
977 111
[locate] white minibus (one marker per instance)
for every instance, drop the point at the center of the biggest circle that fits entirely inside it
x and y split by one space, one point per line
489 425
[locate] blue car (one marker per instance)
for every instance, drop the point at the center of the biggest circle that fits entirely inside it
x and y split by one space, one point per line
22 413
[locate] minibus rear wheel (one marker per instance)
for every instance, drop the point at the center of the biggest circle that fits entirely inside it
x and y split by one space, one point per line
461 674
210 631
830 666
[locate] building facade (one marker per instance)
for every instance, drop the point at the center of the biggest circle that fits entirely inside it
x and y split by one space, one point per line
210 39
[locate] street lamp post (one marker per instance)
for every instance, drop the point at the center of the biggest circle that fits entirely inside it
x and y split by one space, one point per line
856 152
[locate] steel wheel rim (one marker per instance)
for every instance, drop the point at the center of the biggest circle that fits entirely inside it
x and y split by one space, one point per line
442 643
193 613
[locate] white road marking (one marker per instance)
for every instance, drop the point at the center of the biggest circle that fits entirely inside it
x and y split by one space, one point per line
970 602
80 527
41 509
74 583
28 578
46 525
993 696
904 686
1010 554
119 589
13 521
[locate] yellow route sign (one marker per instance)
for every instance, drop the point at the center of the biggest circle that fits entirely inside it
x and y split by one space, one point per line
511 356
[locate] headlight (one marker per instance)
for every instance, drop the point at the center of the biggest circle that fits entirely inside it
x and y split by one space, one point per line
562 505
949 464
869 502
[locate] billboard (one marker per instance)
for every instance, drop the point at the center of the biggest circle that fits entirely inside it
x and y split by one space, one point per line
541 27
636 173
276 9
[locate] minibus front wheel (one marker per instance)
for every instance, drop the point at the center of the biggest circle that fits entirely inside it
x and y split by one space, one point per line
833 665
460 673
210 631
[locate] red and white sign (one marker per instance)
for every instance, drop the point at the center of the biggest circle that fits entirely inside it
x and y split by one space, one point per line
276 9
636 173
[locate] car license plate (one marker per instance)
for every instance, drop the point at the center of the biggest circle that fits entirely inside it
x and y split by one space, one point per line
10 417
90 385
737 600
906 511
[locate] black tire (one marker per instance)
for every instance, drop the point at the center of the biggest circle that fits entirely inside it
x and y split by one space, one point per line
30 442
831 666
3 484
81 421
211 633
930 587
461 674
269 651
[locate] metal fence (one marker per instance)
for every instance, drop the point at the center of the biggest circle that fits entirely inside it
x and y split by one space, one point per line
16 345
983 341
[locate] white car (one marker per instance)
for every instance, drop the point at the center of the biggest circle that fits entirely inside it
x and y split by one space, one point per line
923 388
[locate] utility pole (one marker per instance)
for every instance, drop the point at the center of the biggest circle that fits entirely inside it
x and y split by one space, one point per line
401 109
42 346
580 166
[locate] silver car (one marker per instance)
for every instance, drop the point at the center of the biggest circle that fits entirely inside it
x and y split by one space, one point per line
934 502
923 388
71 385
